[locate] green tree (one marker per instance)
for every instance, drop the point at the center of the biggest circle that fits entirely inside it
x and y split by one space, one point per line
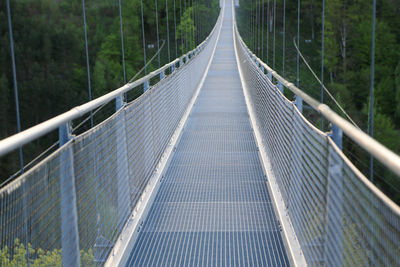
185 29
39 257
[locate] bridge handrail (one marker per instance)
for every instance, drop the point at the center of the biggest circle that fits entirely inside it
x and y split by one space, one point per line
387 157
18 140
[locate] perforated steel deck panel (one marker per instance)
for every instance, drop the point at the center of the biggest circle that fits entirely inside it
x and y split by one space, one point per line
213 207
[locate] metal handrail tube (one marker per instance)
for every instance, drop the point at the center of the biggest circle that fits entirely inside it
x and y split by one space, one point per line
18 140
387 157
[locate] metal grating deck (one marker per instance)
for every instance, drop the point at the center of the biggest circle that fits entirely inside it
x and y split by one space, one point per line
213 207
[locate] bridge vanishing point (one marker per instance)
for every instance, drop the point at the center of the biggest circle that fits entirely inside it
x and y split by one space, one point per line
211 166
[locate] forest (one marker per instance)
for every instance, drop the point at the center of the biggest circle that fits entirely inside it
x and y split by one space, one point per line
51 61
347 63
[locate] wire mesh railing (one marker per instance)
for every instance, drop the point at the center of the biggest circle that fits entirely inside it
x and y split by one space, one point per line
72 206
338 216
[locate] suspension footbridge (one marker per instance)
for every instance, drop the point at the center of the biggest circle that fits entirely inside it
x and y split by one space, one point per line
211 166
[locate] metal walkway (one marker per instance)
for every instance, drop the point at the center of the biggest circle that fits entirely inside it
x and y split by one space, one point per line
213 207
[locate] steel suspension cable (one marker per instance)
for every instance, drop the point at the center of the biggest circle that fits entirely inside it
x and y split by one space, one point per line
251 26
273 48
148 62
254 25
166 11
262 31
21 158
201 22
189 32
122 40
268 15
257 28
371 109
176 39
158 36
194 22
198 23
180 17
190 9
14 71
144 39
326 90
298 44
184 17
322 60
87 59
284 39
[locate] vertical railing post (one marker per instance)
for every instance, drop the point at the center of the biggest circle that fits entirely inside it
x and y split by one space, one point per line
333 255
122 165
337 136
146 86
269 74
280 86
299 103
162 75
69 213
297 195
119 102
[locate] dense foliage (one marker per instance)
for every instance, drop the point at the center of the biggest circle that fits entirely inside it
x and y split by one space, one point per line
38 257
51 59
347 60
